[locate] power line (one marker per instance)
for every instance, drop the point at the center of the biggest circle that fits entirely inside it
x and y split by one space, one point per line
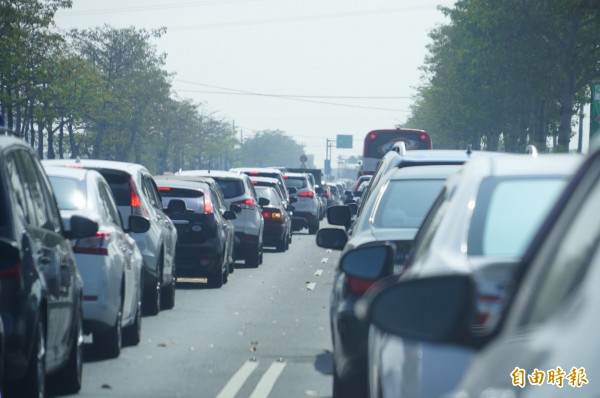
299 96
290 98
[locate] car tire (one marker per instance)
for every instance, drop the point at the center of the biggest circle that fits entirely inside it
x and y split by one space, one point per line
167 295
287 242
68 379
313 228
108 343
215 279
280 245
253 260
132 334
151 302
33 383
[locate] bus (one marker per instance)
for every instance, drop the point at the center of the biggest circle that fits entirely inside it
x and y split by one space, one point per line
379 142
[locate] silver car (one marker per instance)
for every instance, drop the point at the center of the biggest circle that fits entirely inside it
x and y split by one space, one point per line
110 263
136 194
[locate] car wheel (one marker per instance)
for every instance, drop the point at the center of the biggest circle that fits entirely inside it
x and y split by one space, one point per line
254 259
313 228
152 296
33 384
215 279
132 334
68 379
287 242
280 245
108 343
167 295
351 388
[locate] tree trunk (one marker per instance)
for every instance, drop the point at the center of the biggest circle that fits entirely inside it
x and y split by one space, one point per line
40 148
74 147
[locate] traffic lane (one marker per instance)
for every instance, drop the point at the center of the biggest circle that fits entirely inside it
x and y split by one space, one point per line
277 313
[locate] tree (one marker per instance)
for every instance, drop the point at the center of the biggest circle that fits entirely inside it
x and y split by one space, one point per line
271 148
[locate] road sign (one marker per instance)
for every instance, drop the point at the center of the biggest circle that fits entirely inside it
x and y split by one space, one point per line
343 141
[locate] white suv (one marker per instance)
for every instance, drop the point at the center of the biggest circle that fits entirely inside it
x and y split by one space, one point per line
307 208
136 193
249 223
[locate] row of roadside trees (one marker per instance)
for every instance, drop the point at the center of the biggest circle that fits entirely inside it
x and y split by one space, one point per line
105 93
504 74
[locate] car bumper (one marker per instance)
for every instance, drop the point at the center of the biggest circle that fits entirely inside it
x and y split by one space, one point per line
193 260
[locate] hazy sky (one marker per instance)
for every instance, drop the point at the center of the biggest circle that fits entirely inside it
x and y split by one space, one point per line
311 68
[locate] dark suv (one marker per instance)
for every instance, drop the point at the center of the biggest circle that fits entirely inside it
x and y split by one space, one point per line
40 286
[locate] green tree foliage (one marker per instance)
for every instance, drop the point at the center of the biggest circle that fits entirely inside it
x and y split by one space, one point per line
270 148
508 73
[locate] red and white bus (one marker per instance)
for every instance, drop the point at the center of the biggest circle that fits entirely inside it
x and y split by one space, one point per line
379 142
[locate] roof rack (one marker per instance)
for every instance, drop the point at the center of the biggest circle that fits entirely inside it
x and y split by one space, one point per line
399 147
531 150
7 131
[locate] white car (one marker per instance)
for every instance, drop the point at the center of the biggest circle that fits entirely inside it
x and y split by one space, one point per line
110 263
136 193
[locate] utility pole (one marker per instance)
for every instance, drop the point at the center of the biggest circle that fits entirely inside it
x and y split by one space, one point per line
328 146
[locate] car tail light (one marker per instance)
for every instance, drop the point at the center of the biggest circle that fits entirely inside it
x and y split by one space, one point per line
308 194
254 182
208 205
253 173
246 203
285 177
358 286
327 193
137 209
487 304
274 215
164 189
94 245
12 272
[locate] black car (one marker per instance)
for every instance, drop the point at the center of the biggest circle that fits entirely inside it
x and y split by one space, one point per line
205 233
278 223
40 285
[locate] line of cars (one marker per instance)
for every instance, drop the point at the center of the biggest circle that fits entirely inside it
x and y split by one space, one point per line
88 246
432 215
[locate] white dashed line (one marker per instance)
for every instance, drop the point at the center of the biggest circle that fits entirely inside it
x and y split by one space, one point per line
311 286
237 381
324 260
319 272
266 383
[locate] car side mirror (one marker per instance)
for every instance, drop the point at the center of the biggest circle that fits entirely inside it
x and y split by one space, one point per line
290 208
319 190
353 207
138 224
449 302
235 208
332 238
371 262
293 199
10 251
292 190
339 215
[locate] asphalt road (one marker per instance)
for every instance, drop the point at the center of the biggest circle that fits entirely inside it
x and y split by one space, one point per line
263 334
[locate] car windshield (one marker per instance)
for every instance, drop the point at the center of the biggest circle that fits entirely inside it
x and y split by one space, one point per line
508 211
405 203
70 193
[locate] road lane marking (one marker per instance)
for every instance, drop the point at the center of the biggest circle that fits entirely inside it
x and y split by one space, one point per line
237 381
324 260
311 286
266 383
319 272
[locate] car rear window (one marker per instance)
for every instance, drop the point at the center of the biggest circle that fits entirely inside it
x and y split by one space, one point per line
268 193
194 200
70 194
296 182
230 188
119 185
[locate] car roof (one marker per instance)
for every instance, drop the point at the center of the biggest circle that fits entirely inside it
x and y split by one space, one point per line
515 165
265 179
9 140
195 184
130 168
210 173
259 169
71 172
423 172
296 175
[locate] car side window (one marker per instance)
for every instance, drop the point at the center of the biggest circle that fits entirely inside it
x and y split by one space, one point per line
569 260
152 193
41 212
109 205
17 192
218 197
